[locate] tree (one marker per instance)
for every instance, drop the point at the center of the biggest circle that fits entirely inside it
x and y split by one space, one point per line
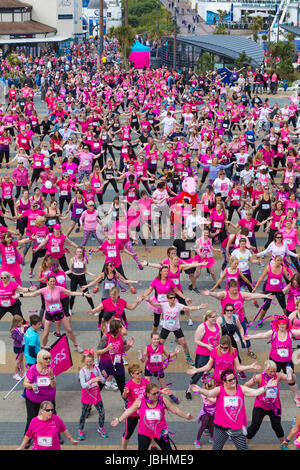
205 63
286 52
221 30
222 14
256 26
126 36
243 60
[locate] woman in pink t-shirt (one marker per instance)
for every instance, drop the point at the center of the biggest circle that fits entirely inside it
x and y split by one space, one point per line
44 429
52 294
230 416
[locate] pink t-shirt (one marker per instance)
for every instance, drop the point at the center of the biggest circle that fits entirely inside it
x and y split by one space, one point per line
136 391
109 306
45 434
52 299
112 251
222 362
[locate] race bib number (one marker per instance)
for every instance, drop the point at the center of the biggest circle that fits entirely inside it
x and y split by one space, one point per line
112 253
117 359
274 282
271 393
156 358
78 265
283 352
5 303
54 308
170 323
64 193
44 441
43 381
184 254
153 415
78 211
10 259
55 249
231 402
217 225
162 297
109 285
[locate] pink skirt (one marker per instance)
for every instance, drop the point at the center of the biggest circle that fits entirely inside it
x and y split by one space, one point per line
153 309
210 262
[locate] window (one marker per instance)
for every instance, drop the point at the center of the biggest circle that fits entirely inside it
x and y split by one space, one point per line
65 17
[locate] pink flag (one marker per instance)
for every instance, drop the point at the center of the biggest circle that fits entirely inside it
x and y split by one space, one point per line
61 355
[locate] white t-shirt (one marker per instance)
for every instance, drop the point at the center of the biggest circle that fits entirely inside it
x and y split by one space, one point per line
247 176
168 123
171 315
222 186
243 259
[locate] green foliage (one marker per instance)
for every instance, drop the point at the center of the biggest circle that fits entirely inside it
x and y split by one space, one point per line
149 17
243 60
221 30
126 37
13 60
205 63
286 52
222 14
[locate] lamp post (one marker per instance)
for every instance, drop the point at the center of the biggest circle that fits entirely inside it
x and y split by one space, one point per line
175 39
101 29
126 11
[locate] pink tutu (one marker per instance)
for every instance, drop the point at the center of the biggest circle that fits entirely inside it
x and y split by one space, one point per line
210 262
154 309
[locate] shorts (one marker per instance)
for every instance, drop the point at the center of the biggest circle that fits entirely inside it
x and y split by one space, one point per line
159 374
165 333
281 366
190 271
57 316
18 350
75 219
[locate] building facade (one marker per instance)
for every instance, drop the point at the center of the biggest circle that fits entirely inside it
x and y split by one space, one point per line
63 15
112 15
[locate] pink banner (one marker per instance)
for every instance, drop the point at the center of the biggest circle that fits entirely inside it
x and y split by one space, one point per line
61 355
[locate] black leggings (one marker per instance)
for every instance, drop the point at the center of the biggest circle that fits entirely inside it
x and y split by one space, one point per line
279 296
144 442
111 181
131 424
36 256
207 421
231 211
11 205
200 361
120 379
258 415
18 191
79 280
15 309
4 154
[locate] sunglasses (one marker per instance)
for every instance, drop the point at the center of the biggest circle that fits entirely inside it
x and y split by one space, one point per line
229 310
3 277
155 393
139 373
49 410
172 297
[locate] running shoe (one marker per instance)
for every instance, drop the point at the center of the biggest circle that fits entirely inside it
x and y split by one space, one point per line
17 377
242 376
284 447
197 445
141 267
190 287
95 290
110 386
188 395
80 435
30 275
196 290
132 290
190 360
190 322
58 335
255 303
297 401
79 349
154 242
77 230
174 399
102 432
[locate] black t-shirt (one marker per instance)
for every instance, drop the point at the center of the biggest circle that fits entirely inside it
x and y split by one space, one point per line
182 247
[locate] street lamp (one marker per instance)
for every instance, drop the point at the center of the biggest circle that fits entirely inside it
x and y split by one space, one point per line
101 29
175 38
